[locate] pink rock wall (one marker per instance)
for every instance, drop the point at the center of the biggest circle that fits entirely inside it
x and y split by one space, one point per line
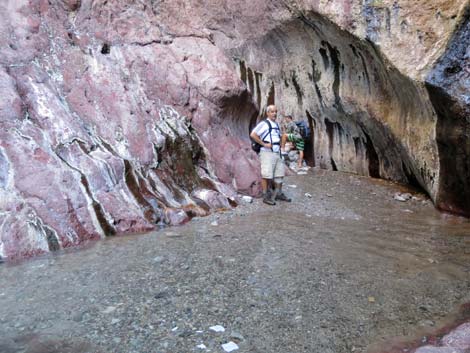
93 138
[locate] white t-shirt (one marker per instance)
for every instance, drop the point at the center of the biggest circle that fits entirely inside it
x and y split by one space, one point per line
274 138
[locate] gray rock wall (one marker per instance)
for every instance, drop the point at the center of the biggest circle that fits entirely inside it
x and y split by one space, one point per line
449 87
363 110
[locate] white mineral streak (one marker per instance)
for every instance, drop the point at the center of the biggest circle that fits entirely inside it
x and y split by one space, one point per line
131 202
164 192
121 144
202 194
91 210
35 232
174 120
10 174
160 139
52 62
101 156
43 99
128 196
187 198
96 68
3 218
171 125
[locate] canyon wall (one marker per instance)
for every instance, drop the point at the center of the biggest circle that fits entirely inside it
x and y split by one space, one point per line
125 116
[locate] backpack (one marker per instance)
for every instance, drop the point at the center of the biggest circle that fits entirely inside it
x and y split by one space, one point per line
304 129
255 146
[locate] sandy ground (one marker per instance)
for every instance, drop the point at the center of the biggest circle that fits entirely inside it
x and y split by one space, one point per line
345 268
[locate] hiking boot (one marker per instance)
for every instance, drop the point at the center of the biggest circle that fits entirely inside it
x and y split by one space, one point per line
268 200
282 197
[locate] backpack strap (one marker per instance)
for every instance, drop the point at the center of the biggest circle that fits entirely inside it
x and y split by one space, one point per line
270 128
269 131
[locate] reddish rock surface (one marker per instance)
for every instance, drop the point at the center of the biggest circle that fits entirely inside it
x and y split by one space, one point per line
456 341
117 117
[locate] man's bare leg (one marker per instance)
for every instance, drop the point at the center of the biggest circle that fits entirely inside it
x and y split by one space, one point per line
264 185
283 142
301 159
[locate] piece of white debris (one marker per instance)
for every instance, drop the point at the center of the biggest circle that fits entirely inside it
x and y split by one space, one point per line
302 173
292 186
158 259
201 346
217 328
199 331
308 195
174 328
109 309
398 197
214 223
230 346
247 199
402 197
329 195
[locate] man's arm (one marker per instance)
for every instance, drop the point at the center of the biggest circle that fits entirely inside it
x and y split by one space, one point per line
255 137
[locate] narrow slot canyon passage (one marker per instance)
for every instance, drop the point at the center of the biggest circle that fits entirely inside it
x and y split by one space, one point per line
358 106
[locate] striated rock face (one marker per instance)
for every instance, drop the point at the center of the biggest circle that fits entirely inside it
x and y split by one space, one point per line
93 141
119 117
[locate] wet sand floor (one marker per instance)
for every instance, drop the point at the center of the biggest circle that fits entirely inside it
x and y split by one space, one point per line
348 269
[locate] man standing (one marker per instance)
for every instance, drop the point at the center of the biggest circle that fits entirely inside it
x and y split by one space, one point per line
268 135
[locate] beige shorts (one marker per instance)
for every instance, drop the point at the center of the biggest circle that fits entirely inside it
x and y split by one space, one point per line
272 166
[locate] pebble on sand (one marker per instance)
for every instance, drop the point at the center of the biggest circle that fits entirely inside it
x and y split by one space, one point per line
217 328
230 346
247 199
